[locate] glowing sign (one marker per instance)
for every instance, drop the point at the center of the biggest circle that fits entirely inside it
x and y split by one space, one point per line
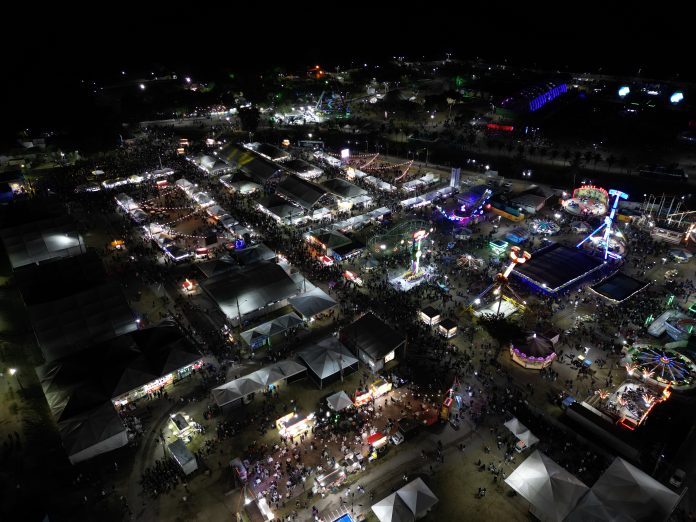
496 126
390 356
552 94
624 90
345 153
676 97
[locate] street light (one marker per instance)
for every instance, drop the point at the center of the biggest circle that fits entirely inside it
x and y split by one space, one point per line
13 371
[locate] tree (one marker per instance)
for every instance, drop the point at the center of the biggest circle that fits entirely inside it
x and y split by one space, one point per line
501 329
610 161
249 119
566 155
587 156
554 154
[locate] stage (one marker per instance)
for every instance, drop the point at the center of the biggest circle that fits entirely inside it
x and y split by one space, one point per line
506 309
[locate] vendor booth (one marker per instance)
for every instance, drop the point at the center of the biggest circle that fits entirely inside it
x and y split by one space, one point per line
525 438
447 328
430 316
182 456
294 424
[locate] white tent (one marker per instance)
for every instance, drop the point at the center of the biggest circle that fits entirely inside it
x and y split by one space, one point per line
520 431
409 503
418 497
339 401
312 303
624 492
551 491
327 358
393 509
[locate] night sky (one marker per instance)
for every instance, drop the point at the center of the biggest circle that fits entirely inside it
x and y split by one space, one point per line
48 56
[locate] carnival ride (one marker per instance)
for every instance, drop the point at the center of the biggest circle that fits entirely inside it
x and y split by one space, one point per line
466 210
587 201
663 366
606 241
470 263
544 226
501 289
396 239
630 403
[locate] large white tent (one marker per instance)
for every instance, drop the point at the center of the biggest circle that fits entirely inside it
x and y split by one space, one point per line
521 431
312 303
624 492
411 502
328 358
393 509
551 491
235 390
260 333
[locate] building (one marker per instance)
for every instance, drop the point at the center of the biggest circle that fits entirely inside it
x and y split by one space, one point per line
302 169
84 389
257 168
251 291
28 243
373 341
301 192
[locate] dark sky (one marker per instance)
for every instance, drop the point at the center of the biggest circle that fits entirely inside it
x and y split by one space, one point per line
48 50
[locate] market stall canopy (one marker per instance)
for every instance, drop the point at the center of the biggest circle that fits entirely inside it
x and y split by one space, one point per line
624 492
256 381
272 327
312 303
327 357
344 189
551 490
339 401
520 431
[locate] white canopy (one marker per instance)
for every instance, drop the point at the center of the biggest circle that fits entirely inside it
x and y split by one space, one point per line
520 431
551 490
327 358
408 504
393 509
624 492
312 303
339 401
418 497
255 381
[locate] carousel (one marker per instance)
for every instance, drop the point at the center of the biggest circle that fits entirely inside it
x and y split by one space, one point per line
544 226
536 352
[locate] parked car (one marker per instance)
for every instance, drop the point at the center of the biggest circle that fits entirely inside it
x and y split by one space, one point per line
397 439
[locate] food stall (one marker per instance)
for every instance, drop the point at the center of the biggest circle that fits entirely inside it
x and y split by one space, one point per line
380 387
377 440
328 480
294 424
362 397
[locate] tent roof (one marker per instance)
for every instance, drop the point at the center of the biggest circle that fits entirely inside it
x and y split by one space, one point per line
339 401
254 254
90 428
86 379
41 240
551 490
250 289
417 496
63 326
344 189
330 238
253 165
408 503
371 335
624 490
327 357
312 303
393 509
272 327
302 192
521 431
255 381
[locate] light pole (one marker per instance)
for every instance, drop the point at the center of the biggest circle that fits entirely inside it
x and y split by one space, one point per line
13 371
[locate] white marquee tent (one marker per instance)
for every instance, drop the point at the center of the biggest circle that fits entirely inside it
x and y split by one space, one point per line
521 431
551 491
339 401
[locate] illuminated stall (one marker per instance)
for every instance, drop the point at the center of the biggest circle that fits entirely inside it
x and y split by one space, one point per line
380 387
294 424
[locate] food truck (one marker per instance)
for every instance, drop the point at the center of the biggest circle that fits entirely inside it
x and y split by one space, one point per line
294 424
